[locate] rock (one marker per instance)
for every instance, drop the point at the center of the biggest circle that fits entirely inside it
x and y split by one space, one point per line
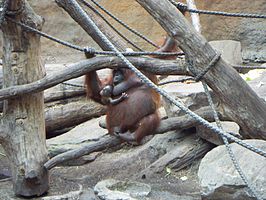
111 189
73 195
2 151
79 136
5 170
258 84
230 50
191 95
219 180
88 194
207 134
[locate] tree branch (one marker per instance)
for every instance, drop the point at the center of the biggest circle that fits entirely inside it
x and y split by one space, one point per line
175 123
78 69
249 112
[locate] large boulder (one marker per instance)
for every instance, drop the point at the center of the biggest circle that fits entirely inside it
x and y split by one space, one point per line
219 180
191 95
230 50
258 83
111 189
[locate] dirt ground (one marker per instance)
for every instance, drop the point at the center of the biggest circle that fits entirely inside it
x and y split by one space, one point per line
65 179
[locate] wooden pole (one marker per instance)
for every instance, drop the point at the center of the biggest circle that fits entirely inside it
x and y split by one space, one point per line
241 103
194 16
24 142
152 65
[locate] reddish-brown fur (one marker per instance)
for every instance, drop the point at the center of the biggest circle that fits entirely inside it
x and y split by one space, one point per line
136 116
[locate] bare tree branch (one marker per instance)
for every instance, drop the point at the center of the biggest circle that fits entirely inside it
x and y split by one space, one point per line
175 123
75 70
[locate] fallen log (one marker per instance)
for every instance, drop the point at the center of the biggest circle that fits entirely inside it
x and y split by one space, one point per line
76 153
175 123
181 156
71 114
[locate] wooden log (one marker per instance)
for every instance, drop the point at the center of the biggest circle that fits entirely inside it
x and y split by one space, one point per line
71 114
248 112
183 155
76 153
3 131
60 91
24 142
152 65
198 151
63 92
194 16
186 121
64 101
175 123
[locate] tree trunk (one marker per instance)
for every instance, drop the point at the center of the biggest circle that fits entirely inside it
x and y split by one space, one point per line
24 142
241 102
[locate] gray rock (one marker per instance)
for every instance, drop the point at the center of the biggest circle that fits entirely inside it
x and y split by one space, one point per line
111 189
230 50
207 134
253 40
88 194
219 179
191 95
259 83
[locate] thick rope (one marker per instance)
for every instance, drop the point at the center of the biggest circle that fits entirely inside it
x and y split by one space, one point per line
198 77
228 148
92 50
210 65
124 24
166 95
110 25
184 7
73 85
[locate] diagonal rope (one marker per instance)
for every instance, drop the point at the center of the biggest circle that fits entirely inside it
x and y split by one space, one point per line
163 92
184 7
109 24
227 146
124 24
92 50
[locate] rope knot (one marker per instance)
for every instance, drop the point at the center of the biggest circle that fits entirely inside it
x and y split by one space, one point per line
182 7
213 62
89 52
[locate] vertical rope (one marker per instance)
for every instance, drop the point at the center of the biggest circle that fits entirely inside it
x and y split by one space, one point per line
228 148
